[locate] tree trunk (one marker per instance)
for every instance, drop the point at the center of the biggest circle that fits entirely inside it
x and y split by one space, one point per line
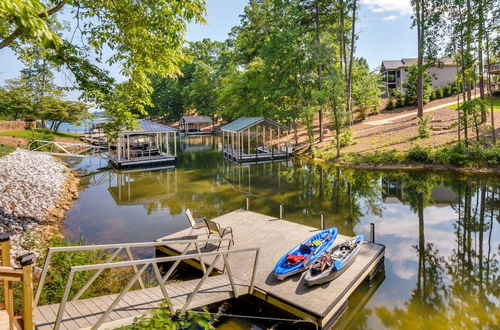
480 38
351 60
492 111
420 60
318 42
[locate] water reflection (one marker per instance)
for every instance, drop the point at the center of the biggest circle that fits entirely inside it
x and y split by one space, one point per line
441 231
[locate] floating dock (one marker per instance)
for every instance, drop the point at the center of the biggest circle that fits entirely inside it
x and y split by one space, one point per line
322 304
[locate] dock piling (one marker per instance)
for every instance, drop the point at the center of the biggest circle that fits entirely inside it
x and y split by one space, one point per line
281 210
322 220
248 203
372 232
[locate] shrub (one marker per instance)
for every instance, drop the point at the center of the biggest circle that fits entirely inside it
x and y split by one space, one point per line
447 90
375 110
424 130
347 138
407 101
39 135
162 318
400 102
419 154
433 95
390 105
439 93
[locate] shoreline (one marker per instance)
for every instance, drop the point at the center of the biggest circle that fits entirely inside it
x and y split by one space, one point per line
407 167
37 190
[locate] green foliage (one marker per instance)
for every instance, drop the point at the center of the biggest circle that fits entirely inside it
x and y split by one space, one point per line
432 97
390 104
439 93
447 90
388 157
144 37
424 130
110 281
419 154
162 318
366 88
411 85
6 149
347 139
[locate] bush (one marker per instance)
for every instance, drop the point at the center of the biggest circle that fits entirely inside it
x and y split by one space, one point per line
407 101
347 138
419 154
390 105
400 102
424 130
447 91
162 318
39 135
433 95
439 93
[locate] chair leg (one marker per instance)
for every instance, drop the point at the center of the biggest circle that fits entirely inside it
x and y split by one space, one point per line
206 244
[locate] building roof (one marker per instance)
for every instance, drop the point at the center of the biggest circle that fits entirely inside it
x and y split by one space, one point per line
246 122
407 62
146 126
196 119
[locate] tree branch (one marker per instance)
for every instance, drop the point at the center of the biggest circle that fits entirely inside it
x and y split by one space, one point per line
17 32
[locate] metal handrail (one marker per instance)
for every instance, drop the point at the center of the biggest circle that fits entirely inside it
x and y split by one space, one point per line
154 263
64 151
118 247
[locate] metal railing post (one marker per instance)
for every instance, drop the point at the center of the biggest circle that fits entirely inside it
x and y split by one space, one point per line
281 210
254 271
372 232
248 203
323 220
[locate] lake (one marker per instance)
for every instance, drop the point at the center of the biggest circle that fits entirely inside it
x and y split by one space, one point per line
441 231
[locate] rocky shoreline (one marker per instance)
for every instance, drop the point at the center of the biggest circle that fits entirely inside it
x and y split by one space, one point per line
35 191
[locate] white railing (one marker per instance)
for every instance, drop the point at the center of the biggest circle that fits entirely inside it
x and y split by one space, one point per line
64 148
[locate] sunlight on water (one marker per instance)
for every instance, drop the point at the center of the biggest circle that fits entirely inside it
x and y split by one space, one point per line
441 231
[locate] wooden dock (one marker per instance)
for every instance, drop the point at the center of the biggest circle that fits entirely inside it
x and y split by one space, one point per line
322 304
82 314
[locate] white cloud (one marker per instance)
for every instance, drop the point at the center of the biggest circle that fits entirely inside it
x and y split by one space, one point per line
400 7
390 17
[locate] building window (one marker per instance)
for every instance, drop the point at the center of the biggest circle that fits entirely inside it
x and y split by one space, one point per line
398 74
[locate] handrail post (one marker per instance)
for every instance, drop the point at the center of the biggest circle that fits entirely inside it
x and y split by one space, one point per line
372 232
254 271
281 210
26 261
248 203
41 282
323 221
7 285
62 305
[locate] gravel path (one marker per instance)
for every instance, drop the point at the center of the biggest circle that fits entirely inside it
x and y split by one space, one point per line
30 186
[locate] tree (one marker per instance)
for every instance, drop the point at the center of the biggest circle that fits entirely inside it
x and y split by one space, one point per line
366 88
412 85
15 99
124 27
428 20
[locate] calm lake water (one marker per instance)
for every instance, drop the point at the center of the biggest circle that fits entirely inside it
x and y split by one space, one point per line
442 232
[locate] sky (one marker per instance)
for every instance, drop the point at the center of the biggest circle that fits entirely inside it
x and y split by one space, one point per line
383 28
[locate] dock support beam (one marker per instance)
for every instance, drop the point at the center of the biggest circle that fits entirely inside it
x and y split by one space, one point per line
372 232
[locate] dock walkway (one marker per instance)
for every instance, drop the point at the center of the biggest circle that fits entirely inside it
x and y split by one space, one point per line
82 314
322 304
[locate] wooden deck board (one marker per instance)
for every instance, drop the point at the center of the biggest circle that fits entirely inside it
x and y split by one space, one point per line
275 237
84 313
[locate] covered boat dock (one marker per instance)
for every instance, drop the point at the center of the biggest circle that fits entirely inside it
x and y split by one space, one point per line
255 139
150 144
195 125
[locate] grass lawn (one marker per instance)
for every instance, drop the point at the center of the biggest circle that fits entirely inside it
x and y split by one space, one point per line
5 150
496 104
28 133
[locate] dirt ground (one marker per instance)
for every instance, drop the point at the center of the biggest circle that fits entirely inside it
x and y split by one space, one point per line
400 133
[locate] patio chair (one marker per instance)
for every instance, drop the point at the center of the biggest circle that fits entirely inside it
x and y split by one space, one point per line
214 229
196 223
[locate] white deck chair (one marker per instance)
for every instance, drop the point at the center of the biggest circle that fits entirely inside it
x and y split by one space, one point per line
196 223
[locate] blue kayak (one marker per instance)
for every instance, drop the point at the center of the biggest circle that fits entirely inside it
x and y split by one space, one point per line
300 257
